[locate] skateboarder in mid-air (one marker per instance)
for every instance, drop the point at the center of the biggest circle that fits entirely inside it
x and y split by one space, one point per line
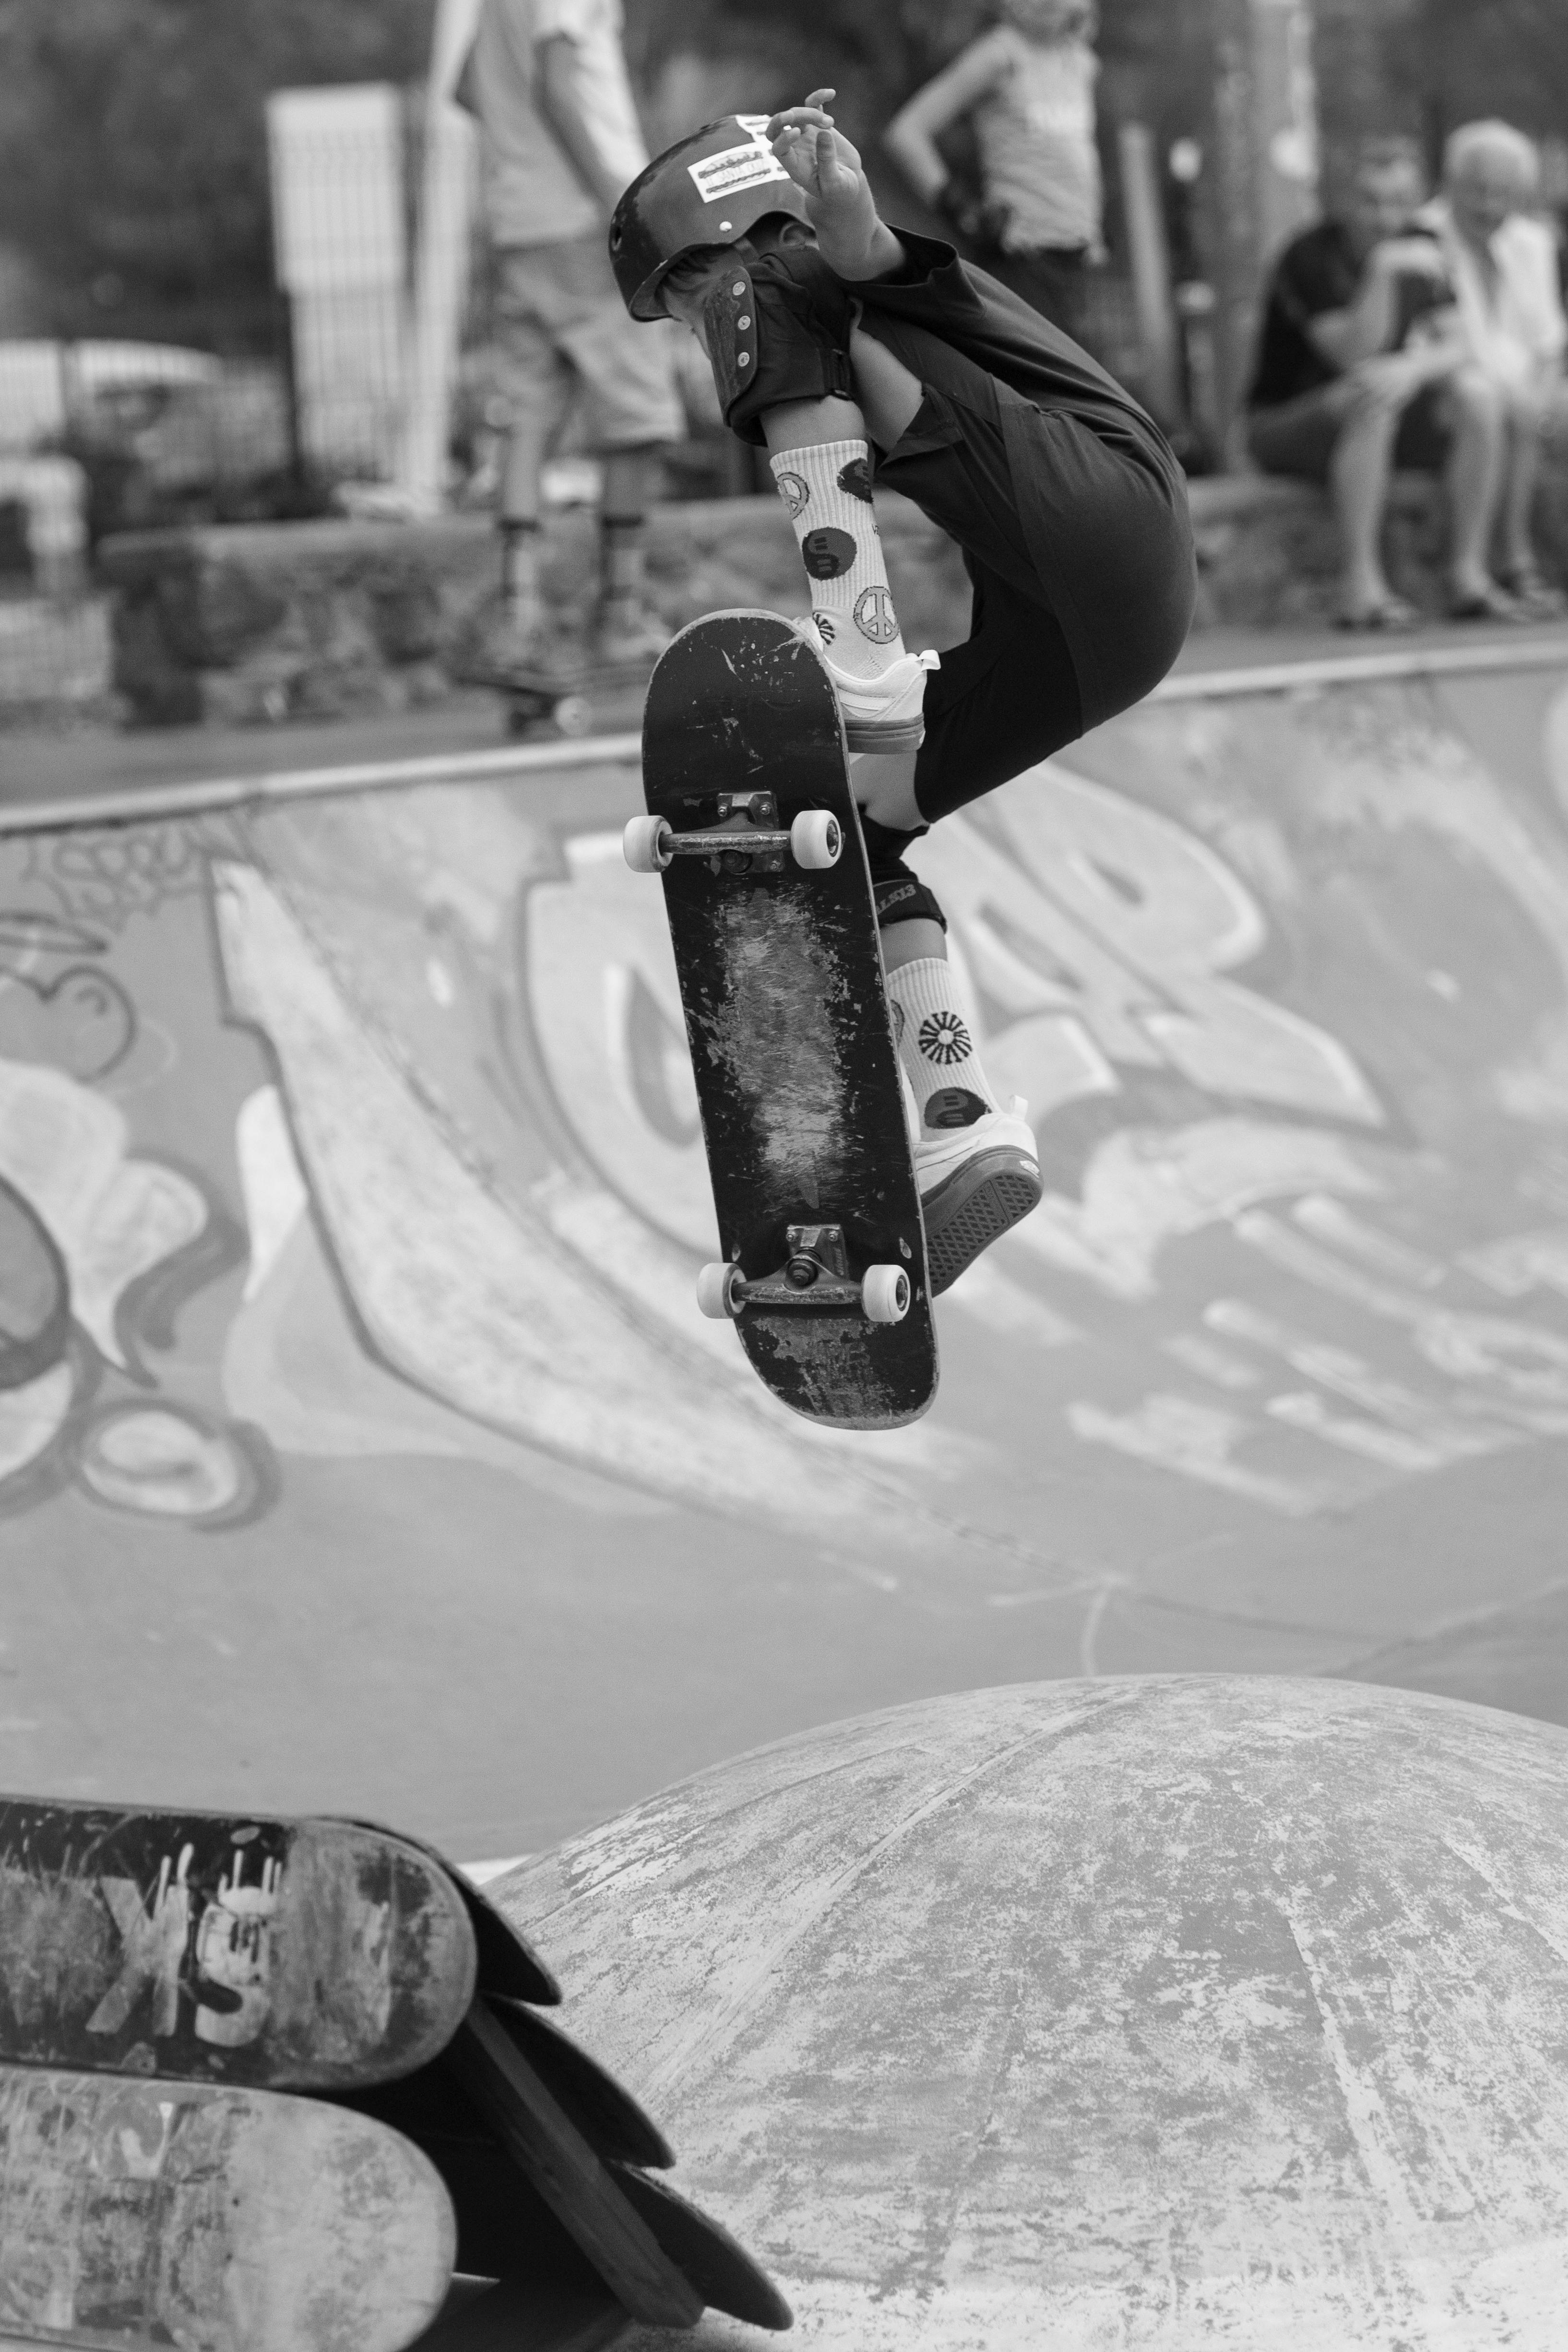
853 352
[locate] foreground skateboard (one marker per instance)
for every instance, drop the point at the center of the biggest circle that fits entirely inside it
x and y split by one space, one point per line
751 824
549 2159
302 1955
155 2214
194 1948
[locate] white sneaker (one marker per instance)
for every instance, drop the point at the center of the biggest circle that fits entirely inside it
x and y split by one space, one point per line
881 713
978 1172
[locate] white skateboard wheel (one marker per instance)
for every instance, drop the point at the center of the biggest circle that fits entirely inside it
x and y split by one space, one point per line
644 844
573 714
885 1294
715 1292
816 838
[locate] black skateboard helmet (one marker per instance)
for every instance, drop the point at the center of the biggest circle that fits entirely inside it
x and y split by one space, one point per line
709 188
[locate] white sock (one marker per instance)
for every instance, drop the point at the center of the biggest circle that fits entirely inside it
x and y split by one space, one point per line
936 1043
841 549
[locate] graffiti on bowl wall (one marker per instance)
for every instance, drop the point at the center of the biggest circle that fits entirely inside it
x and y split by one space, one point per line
366 1128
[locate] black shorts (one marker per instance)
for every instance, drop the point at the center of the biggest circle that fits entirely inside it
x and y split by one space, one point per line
1082 574
1070 517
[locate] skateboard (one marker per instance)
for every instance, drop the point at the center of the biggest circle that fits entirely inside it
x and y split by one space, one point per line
607 695
144 2215
547 2158
752 823
298 1955
593 694
508 1963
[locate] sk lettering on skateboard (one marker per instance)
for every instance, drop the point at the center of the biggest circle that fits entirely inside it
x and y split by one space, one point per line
289 1955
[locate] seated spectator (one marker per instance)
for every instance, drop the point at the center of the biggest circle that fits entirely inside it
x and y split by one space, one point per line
1359 371
1502 264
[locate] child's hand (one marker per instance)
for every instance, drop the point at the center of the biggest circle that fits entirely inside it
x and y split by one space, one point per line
824 165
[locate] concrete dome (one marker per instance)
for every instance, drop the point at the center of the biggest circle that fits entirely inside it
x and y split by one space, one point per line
1159 2011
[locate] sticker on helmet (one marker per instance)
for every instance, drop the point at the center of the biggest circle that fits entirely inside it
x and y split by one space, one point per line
733 168
827 553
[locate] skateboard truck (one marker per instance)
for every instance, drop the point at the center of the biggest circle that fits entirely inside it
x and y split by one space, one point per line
815 1274
746 839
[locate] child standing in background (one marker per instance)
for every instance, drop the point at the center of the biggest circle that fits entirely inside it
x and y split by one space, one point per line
1027 88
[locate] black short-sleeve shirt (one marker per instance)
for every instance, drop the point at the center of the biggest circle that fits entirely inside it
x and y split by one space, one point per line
1319 271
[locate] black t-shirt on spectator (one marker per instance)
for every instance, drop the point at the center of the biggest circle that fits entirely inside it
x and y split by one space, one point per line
1320 270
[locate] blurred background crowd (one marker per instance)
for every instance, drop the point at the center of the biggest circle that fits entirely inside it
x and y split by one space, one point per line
248 270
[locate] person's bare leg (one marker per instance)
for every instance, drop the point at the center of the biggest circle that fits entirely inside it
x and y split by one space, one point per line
1521 470
1359 474
628 628
908 943
1475 475
527 445
889 396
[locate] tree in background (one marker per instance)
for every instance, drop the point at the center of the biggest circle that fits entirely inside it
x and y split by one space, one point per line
132 147
133 180
1425 65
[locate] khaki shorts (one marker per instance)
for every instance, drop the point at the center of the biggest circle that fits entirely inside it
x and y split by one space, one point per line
1298 436
563 331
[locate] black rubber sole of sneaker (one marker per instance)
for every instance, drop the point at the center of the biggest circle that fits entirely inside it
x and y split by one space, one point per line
978 1203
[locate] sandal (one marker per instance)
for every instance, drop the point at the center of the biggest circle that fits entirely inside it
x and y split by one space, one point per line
1492 603
1390 613
1536 595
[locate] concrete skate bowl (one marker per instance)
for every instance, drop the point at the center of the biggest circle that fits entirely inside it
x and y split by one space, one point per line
361 1445
1176 2013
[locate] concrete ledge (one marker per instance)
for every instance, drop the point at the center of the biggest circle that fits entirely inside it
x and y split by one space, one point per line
255 623
1269 552
270 622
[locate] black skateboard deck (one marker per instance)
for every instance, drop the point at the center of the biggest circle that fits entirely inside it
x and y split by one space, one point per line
305 1955
155 2214
788 1018
560 2120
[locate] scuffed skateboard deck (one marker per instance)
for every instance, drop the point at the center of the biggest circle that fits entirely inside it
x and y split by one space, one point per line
787 1015
508 1966
302 1954
154 2213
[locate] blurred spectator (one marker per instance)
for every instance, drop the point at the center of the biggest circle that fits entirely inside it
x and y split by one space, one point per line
1356 375
1027 88
1504 266
558 141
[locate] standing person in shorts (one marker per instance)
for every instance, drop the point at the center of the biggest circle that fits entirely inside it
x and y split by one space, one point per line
856 353
559 139
1360 372
1027 88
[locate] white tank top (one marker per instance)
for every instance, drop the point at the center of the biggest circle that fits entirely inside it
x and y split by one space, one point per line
1034 131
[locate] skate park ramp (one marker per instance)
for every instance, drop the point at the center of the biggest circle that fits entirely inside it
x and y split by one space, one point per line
362 1448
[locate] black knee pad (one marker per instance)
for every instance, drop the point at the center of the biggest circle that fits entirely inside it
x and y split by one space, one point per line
904 898
777 326
901 896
